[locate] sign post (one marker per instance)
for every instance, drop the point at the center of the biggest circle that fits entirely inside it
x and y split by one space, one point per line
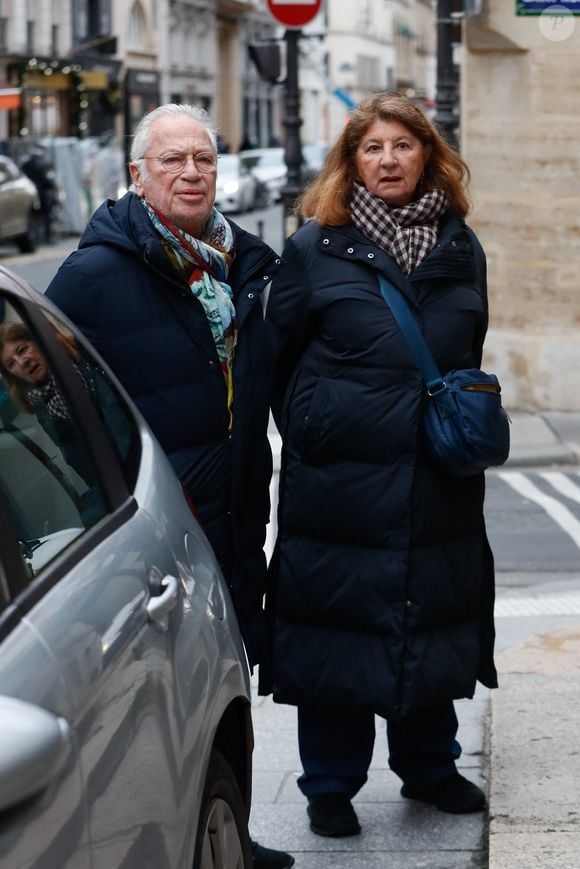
293 14
446 91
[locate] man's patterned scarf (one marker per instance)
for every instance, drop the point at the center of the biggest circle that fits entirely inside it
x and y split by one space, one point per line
206 264
409 233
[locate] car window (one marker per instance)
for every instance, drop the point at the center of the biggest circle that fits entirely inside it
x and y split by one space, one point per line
48 476
271 158
228 163
118 420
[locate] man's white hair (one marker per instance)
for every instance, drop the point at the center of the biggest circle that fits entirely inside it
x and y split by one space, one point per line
140 141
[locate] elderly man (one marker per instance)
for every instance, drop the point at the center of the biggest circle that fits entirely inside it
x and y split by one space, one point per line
169 292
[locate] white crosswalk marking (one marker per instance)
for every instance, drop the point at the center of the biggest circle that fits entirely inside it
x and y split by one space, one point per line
562 484
546 605
554 508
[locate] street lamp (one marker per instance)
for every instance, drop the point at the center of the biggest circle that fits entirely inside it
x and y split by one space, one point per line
266 57
446 93
292 122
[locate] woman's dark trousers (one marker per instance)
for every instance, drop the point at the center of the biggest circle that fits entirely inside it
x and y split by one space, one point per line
336 747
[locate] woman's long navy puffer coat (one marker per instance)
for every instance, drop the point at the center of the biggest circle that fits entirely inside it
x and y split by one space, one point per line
382 587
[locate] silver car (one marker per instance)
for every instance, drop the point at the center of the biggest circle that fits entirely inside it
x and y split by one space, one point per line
125 728
235 186
20 218
268 165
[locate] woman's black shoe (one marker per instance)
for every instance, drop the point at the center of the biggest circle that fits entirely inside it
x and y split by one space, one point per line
453 794
267 858
332 815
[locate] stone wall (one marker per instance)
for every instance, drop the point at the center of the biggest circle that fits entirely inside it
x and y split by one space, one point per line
520 133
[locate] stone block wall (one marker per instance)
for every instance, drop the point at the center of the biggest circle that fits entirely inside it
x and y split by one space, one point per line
520 134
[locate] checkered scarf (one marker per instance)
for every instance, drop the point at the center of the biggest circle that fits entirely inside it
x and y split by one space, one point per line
50 395
408 234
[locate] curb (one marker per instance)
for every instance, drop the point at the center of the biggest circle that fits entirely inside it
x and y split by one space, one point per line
535 441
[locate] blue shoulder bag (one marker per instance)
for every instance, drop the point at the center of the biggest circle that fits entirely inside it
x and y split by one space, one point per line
466 427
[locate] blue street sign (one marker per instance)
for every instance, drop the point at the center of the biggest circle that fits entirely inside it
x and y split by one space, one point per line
554 7
344 97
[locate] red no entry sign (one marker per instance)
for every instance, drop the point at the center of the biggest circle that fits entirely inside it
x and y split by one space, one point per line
294 13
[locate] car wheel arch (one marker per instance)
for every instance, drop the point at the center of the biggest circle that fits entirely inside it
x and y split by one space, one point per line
234 739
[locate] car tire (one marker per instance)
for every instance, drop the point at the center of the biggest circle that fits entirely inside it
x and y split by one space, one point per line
28 242
223 841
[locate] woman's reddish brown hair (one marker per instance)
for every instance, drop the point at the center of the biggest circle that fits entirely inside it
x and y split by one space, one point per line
327 199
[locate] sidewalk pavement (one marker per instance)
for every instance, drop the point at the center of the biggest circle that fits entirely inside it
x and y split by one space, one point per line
520 743
534 748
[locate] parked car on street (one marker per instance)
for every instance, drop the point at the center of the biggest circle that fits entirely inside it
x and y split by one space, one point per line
125 728
20 216
236 187
269 167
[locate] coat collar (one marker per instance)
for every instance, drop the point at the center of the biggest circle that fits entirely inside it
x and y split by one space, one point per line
453 256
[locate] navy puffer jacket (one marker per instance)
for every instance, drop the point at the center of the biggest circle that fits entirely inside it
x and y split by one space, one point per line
121 290
382 584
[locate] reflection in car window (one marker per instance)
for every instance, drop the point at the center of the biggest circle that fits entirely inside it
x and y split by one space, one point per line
118 421
46 471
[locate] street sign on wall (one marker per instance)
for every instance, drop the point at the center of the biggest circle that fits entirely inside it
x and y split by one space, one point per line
294 13
541 7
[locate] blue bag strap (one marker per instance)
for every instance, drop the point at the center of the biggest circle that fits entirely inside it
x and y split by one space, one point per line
413 335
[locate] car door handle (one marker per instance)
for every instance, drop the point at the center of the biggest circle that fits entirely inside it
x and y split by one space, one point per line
163 603
34 745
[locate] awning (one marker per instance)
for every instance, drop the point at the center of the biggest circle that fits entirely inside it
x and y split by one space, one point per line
10 98
93 79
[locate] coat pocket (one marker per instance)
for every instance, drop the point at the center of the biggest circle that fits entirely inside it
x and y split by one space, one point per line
308 418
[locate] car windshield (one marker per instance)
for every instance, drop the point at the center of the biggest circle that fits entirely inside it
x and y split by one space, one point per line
272 158
228 164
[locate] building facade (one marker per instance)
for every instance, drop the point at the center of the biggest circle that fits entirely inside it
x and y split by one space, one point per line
520 132
92 67
377 45
35 60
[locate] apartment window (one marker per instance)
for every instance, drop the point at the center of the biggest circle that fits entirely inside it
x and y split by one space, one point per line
137 27
93 18
54 40
3 33
366 18
31 15
82 19
367 69
105 21
30 37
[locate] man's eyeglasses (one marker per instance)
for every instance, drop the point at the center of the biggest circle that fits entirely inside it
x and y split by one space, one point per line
205 162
